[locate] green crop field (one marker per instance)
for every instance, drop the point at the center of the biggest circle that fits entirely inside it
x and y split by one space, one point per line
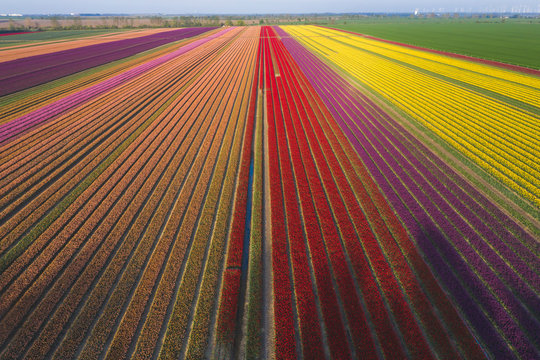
514 41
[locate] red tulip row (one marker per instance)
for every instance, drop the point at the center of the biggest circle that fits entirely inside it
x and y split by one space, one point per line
388 285
386 147
330 201
293 292
17 33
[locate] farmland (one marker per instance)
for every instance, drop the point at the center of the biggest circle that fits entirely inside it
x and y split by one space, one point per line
266 192
40 37
514 41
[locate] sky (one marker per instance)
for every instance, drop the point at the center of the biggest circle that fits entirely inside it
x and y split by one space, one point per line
259 6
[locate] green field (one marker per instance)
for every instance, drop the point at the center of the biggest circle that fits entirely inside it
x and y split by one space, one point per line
513 41
51 36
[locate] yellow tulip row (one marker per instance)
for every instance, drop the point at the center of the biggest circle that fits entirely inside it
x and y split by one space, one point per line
518 78
499 137
501 123
498 120
457 130
416 58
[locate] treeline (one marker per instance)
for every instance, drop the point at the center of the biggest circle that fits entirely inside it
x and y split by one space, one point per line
119 22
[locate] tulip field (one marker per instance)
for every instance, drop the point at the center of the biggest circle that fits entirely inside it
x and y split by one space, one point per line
266 192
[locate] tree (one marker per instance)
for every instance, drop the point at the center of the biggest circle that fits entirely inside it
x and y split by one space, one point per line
214 20
77 23
228 22
28 23
156 21
240 23
55 23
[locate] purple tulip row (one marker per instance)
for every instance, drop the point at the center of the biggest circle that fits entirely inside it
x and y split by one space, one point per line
20 74
14 128
433 203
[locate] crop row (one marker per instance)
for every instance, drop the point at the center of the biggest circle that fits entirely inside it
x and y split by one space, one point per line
186 291
23 102
150 101
261 192
235 273
517 86
337 206
387 225
16 33
408 180
461 117
24 73
141 148
146 277
409 283
494 64
28 49
48 112
101 219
